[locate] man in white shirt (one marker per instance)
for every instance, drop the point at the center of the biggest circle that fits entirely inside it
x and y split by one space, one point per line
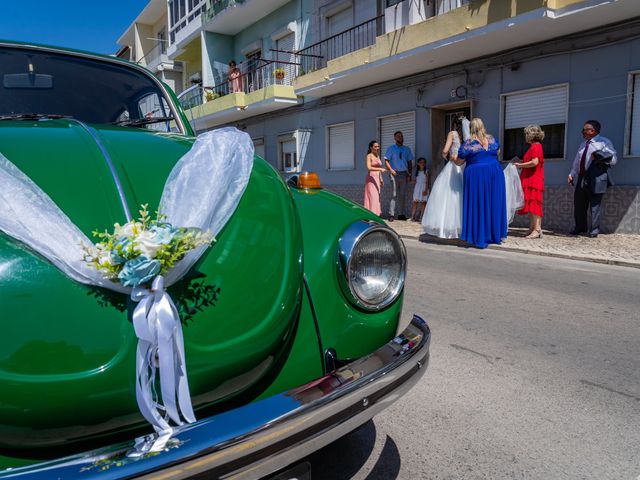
591 169
399 160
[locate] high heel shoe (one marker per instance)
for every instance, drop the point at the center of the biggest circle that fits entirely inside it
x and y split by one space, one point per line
534 234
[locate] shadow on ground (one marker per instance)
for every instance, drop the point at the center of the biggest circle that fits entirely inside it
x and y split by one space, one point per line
345 457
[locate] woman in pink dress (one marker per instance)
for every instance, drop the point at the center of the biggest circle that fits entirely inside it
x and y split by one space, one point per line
373 183
235 77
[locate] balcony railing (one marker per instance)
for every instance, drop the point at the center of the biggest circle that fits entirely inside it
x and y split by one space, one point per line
217 6
443 6
179 18
268 72
316 56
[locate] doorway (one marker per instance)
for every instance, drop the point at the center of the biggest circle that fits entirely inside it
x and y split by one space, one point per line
442 117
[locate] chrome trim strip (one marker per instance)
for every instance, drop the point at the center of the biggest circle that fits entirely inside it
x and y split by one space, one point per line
118 61
96 138
260 438
347 243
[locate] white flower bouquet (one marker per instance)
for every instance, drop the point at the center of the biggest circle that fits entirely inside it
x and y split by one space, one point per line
138 251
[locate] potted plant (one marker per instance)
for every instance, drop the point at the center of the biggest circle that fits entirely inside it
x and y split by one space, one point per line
211 95
279 73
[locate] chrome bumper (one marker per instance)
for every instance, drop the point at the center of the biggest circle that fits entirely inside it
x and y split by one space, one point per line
260 438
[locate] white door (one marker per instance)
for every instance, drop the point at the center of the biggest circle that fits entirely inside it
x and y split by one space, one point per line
286 44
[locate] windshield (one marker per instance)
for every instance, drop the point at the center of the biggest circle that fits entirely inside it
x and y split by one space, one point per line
36 83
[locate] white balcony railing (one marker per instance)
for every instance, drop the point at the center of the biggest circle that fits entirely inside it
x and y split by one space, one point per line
182 13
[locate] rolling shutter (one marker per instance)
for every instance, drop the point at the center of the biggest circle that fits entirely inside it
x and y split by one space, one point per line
406 123
634 141
287 44
341 21
542 107
341 147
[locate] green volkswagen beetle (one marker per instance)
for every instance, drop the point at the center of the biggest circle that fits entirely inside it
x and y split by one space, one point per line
289 319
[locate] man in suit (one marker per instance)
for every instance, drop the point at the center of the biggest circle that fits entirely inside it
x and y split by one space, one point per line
591 168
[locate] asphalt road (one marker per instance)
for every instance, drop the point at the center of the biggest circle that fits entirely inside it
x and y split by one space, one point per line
534 374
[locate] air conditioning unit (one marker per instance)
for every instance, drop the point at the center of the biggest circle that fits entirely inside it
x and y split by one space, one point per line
407 12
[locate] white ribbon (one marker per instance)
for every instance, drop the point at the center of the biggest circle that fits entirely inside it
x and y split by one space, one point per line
160 350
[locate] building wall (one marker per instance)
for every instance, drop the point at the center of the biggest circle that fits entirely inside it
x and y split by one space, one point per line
264 28
596 69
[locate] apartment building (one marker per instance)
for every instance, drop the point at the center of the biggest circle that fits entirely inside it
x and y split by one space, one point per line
319 79
146 42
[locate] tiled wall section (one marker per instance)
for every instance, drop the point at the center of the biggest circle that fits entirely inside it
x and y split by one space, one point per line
621 207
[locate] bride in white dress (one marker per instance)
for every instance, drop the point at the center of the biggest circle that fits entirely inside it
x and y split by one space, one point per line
443 217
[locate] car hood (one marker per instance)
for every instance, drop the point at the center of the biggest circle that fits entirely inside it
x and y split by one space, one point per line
67 352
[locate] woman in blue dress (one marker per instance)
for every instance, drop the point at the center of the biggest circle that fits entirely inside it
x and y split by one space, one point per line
484 210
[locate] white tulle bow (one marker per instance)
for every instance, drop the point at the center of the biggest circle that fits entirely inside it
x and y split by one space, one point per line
202 191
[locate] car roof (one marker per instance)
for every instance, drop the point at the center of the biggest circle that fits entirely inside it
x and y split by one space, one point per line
35 45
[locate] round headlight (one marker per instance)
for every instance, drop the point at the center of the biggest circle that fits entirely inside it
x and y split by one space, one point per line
373 264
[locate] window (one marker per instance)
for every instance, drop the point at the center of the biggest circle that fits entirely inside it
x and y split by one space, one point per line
258 145
286 46
341 146
339 22
162 41
633 143
403 122
287 153
546 107
254 74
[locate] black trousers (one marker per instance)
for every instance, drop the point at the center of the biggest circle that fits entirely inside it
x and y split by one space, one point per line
583 199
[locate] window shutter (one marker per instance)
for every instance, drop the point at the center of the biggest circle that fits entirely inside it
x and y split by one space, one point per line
542 107
341 147
405 122
287 44
341 21
634 144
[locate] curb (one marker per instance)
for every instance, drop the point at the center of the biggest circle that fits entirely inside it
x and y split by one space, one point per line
459 243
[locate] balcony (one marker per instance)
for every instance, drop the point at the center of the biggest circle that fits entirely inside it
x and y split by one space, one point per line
258 89
229 17
457 32
185 25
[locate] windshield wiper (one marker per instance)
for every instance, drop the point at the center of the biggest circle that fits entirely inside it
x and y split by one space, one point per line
142 121
33 116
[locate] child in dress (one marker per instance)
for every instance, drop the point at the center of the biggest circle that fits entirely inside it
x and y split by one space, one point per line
421 190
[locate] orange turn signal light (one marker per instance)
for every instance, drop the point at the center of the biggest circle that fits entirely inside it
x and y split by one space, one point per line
308 180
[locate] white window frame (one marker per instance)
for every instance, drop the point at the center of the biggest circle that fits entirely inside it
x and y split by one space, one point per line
328 147
627 126
503 99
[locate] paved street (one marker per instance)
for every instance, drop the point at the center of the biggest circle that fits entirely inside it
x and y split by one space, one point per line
534 374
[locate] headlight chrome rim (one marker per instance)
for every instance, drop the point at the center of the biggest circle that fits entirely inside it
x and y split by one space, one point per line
347 244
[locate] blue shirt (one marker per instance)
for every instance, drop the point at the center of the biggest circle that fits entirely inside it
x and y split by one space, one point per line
398 157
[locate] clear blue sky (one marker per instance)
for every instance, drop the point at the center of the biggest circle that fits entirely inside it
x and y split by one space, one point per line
92 25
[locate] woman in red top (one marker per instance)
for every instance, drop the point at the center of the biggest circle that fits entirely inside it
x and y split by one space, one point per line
532 178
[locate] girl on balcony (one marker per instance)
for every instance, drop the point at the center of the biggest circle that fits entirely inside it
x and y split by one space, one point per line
235 77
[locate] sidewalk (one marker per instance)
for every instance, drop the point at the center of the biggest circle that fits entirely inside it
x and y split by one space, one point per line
615 249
